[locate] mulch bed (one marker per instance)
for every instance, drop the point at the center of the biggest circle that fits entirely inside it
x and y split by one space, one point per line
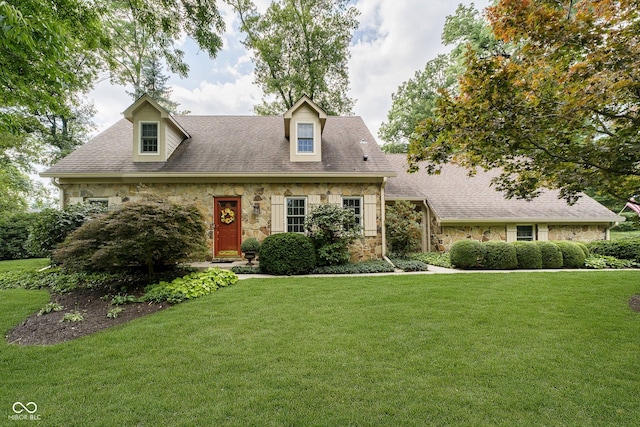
634 303
49 328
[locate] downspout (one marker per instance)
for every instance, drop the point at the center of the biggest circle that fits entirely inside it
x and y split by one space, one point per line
383 218
56 183
426 206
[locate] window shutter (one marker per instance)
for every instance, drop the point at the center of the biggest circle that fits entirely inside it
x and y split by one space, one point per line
334 199
370 223
277 214
314 200
543 232
512 233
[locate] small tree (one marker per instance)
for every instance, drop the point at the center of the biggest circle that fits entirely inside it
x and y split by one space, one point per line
331 229
52 226
403 228
150 233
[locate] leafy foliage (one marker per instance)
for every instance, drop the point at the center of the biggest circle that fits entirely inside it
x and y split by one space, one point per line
194 285
409 264
402 222
58 281
366 267
287 254
52 226
529 255
14 232
332 228
467 254
300 47
250 244
150 233
560 110
439 259
625 249
600 262
500 255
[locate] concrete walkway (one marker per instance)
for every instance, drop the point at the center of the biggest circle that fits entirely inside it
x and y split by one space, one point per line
432 270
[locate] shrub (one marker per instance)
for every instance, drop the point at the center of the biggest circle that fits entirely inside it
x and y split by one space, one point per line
59 281
402 223
551 255
14 233
332 228
622 249
439 259
606 261
529 255
150 233
250 245
52 226
572 254
500 255
191 286
287 254
467 254
584 248
366 267
410 264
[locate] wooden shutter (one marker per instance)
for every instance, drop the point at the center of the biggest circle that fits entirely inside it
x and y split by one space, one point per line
369 213
512 233
543 232
277 214
335 199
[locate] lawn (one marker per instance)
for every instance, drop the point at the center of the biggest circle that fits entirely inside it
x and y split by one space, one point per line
463 349
24 264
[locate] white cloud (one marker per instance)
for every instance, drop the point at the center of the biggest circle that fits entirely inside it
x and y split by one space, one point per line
394 40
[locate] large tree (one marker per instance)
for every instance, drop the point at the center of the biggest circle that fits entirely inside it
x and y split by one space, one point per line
300 47
562 110
415 100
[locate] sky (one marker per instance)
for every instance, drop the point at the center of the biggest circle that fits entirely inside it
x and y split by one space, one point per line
395 39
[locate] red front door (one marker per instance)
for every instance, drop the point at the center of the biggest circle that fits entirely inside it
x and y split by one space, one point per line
228 220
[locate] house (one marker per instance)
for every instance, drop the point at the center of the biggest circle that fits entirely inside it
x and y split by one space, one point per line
457 206
251 176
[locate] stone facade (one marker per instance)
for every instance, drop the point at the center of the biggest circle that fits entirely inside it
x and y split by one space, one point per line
251 194
443 237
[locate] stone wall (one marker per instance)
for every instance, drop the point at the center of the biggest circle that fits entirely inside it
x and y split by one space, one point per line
581 233
258 226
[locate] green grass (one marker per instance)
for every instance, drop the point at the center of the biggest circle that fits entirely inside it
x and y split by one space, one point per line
508 349
23 264
617 235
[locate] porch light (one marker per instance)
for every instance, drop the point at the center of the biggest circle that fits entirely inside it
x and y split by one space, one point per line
256 209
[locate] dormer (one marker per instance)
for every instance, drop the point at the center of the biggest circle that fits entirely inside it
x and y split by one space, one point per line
303 126
156 133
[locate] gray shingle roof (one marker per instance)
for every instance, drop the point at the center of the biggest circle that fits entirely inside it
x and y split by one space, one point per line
233 145
456 197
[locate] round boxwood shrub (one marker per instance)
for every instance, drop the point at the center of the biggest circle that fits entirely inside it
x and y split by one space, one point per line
529 255
500 256
584 248
572 254
467 254
551 255
287 254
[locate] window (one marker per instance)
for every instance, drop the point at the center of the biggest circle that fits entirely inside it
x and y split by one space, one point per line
355 204
296 211
149 138
524 233
99 202
305 138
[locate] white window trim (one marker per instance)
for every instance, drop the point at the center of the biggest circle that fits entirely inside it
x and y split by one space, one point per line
361 216
533 232
306 153
148 153
286 212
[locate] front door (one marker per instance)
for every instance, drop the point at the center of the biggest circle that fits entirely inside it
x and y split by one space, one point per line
228 220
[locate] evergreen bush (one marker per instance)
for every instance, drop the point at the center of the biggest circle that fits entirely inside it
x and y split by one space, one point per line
14 232
628 249
572 254
500 255
528 254
404 234
287 254
467 254
551 255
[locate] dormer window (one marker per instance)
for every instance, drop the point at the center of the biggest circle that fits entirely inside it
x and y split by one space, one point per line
305 138
149 137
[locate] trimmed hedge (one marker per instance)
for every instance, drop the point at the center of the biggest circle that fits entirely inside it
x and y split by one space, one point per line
573 255
500 256
287 254
528 254
467 254
628 249
551 255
